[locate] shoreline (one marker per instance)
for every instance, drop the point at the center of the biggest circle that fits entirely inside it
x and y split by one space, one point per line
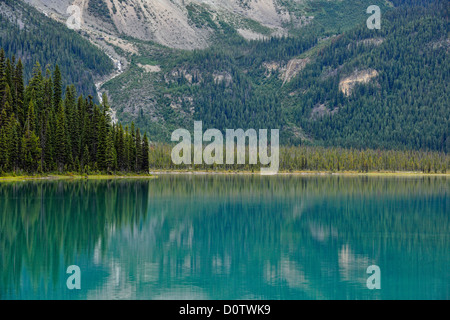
304 173
155 174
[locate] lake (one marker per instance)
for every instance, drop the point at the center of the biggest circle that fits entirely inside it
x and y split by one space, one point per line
226 237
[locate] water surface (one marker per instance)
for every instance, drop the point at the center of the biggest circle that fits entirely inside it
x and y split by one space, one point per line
226 237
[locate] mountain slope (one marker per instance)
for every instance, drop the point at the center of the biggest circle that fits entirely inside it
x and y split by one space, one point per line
381 89
174 23
193 24
331 82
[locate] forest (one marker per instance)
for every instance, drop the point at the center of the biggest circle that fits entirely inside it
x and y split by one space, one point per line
322 159
242 84
46 129
406 106
31 36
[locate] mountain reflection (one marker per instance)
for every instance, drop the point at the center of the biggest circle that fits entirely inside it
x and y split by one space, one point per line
225 237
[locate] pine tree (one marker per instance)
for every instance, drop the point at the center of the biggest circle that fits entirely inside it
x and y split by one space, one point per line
34 91
110 154
132 148
20 94
61 138
145 154
85 159
72 120
121 149
3 141
39 131
47 153
9 71
139 160
31 152
13 146
31 118
102 134
57 87
2 78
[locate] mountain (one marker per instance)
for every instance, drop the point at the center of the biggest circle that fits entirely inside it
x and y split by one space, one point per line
191 24
311 68
183 24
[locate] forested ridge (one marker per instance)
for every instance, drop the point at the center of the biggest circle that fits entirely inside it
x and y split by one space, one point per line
43 129
243 84
406 106
397 121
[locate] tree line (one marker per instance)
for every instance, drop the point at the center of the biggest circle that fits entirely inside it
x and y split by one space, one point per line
43 129
30 35
324 159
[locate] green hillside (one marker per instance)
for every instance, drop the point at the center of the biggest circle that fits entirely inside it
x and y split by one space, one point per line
405 106
246 84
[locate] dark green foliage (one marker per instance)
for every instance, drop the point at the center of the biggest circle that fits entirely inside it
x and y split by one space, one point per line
404 107
229 84
32 36
64 135
313 159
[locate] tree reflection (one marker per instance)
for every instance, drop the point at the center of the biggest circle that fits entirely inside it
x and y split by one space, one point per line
226 237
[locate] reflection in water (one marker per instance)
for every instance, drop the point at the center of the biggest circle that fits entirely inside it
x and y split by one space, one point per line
226 237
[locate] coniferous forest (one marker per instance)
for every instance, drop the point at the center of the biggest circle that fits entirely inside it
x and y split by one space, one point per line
237 83
45 128
31 36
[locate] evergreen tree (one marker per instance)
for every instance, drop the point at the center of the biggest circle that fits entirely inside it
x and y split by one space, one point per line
20 94
36 135
13 147
2 77
110 153
57 87
31 151
139 156
85 159
145 154
61 138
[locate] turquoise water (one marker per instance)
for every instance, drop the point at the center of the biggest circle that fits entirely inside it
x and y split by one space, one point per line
226 237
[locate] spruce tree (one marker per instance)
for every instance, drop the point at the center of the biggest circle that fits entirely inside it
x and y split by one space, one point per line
85 160
102 134
13 139
139 160
121 150
9 72
57 87
2 77
145 154
39 131
3 141
132 146
110 154
20 94
31 152
31 117
61 138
